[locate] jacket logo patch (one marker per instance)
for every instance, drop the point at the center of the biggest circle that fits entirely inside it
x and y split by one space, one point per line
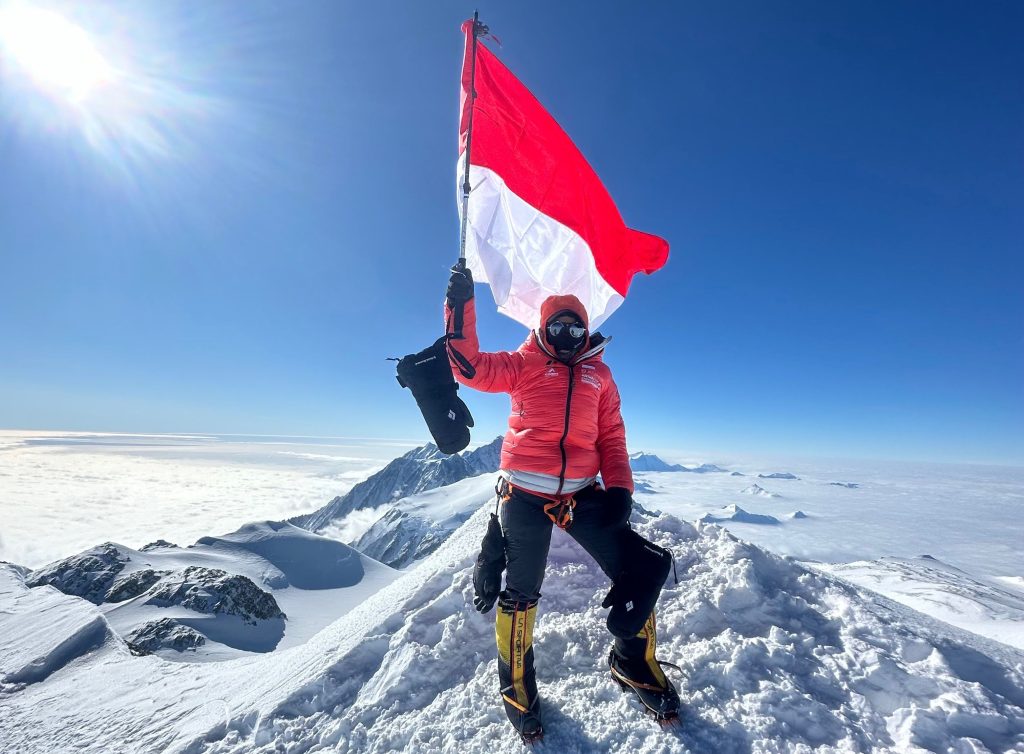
591 379
588 366
552 372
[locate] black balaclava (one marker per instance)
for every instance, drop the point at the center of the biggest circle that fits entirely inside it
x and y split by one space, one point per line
564 342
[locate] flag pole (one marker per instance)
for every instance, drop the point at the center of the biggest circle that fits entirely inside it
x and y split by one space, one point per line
478 29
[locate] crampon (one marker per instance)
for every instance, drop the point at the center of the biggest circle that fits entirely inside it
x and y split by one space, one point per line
660 702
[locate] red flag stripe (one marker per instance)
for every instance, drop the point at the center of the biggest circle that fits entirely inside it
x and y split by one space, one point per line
514 136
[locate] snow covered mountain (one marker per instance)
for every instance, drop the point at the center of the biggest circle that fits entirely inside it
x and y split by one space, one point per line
737 514
758 491
223 596
775 658
642 462
424 468
415 526
419 524
943 591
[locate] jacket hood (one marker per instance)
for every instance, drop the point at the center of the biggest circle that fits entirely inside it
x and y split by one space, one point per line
592 347
554 304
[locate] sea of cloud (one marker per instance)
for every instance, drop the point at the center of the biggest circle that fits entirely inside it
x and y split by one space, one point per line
61 493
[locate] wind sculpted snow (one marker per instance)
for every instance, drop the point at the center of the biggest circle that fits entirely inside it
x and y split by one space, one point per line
774 658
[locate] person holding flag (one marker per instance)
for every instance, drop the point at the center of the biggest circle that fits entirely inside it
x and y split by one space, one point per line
540 228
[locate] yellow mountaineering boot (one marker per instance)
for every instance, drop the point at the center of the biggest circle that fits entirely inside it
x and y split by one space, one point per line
514 632
635 668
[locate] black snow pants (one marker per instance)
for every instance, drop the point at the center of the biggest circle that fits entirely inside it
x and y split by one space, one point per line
527 531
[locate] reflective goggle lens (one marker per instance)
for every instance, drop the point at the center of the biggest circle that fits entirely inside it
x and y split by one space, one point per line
576 330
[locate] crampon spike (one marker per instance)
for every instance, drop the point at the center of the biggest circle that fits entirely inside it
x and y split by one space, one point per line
532 739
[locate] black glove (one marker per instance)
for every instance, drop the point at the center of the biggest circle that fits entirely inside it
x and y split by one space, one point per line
490 564
460 286
636 588
618 505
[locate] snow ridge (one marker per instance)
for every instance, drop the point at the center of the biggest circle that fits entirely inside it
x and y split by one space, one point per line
775 658
424 468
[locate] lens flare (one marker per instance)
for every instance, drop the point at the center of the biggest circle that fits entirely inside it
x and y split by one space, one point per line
55 53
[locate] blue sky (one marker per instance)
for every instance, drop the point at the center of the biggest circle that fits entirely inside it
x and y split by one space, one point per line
842 185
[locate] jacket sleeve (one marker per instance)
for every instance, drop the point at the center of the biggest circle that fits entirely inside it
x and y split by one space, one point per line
495 372
611 440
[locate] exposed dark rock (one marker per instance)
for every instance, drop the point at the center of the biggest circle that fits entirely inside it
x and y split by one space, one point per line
213 591
159 543
88 575
165 633
133 584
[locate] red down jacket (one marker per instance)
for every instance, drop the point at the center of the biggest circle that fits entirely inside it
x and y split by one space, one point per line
554 405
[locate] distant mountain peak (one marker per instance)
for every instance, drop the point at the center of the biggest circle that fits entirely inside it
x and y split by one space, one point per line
641 461
421 469
758 490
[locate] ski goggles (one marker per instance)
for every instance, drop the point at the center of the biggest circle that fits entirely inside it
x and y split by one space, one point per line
576 329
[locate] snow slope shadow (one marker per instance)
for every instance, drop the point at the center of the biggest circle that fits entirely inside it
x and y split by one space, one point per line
304 560
775 658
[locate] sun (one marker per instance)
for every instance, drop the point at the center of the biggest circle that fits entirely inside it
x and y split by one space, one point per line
56 54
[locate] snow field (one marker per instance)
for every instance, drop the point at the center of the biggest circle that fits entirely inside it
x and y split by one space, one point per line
775 658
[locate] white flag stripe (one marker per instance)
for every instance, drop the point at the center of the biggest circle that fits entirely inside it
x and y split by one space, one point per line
527 256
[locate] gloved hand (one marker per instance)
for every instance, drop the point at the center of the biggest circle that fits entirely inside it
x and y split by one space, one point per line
490 564
617 506
460 286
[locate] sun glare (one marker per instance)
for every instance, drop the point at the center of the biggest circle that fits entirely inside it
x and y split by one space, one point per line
121 79
55 53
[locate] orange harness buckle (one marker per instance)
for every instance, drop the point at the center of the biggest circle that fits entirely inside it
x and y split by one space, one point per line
561 512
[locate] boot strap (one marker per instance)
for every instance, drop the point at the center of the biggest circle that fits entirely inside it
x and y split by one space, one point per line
634 684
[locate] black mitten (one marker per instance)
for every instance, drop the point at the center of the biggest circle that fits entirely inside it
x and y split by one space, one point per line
490 564
636 589
428 374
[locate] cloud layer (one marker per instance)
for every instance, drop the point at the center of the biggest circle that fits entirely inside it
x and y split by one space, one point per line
63 492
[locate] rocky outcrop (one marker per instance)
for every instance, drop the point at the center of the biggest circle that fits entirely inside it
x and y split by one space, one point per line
88 575
165 633
133 584
212 591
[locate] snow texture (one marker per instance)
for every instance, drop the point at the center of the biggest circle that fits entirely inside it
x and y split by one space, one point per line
42 630
419 524
888 655
943 591
223 596
775 658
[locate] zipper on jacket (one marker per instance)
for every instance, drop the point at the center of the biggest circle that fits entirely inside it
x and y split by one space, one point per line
565 434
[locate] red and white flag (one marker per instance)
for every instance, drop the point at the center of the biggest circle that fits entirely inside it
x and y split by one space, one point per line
540 222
